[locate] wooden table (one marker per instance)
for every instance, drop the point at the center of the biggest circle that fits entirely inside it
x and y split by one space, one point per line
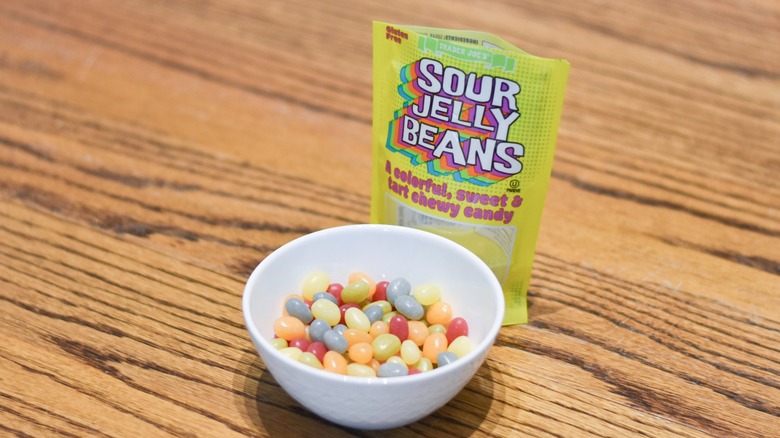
152 153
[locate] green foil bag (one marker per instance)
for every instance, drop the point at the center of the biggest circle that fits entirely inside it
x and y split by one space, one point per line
464 131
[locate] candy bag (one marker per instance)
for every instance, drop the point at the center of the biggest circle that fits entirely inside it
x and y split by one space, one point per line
464 130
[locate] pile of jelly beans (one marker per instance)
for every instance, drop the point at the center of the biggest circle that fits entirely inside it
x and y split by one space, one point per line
370 329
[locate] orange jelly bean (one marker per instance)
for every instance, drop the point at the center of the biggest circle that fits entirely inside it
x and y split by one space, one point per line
439 313
379 328
434 344
356 336
418 331
334 362
289 328
362 352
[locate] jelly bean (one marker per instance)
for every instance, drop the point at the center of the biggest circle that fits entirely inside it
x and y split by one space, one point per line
328 296
438 313
355 336
386 306
318 349
324 309
409 307
289 328
424 364
317 329
461 346
379 328
386 317
381 291
396 360
456 328
437 328
362 352
410 352
301 343
340 328
413 371
297 308
355 292
334 362
344 307
374 313
279 343
396 288
309 359
336 342
291 352
386 345
314 282
358 276
427 294
335 290
434 344
360 370
445 358
418 331
392 370
399 327
357 320
375 364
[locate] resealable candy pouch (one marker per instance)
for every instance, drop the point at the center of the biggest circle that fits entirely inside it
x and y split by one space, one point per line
464 131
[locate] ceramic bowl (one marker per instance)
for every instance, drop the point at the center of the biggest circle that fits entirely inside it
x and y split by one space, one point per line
384 252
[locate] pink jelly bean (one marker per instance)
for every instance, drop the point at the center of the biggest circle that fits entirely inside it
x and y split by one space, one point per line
318 349
399 327
300 343
381 291
335 290
456 328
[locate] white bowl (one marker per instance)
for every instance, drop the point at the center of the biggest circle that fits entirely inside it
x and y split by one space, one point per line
384 252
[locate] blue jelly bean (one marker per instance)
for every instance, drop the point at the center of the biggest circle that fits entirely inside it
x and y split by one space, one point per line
297 308
374 313
445 358
397 288
317 330
390 369
407 306
335 342
327 295
340 328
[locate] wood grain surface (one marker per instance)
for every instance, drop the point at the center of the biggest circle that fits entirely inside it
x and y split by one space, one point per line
153 152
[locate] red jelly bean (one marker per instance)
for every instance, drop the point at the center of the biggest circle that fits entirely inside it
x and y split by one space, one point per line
318 349
381 291
399 327
457 327
335 290
300 343
345 307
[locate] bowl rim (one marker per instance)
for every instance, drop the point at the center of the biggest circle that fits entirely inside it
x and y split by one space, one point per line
265 346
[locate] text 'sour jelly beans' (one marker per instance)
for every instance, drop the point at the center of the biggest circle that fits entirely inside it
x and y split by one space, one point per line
368 329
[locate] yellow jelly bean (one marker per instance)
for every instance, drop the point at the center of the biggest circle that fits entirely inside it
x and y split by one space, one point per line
461 346
279 343
396 360
334 363
314 282
434 344
388 315
386 345
410 352
289 328
358 276
362 352
360 370
355 292
378 328
310 359
437 328
357 320
386 307
418 331
424 365
292 352
439 313
427 294
327 310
